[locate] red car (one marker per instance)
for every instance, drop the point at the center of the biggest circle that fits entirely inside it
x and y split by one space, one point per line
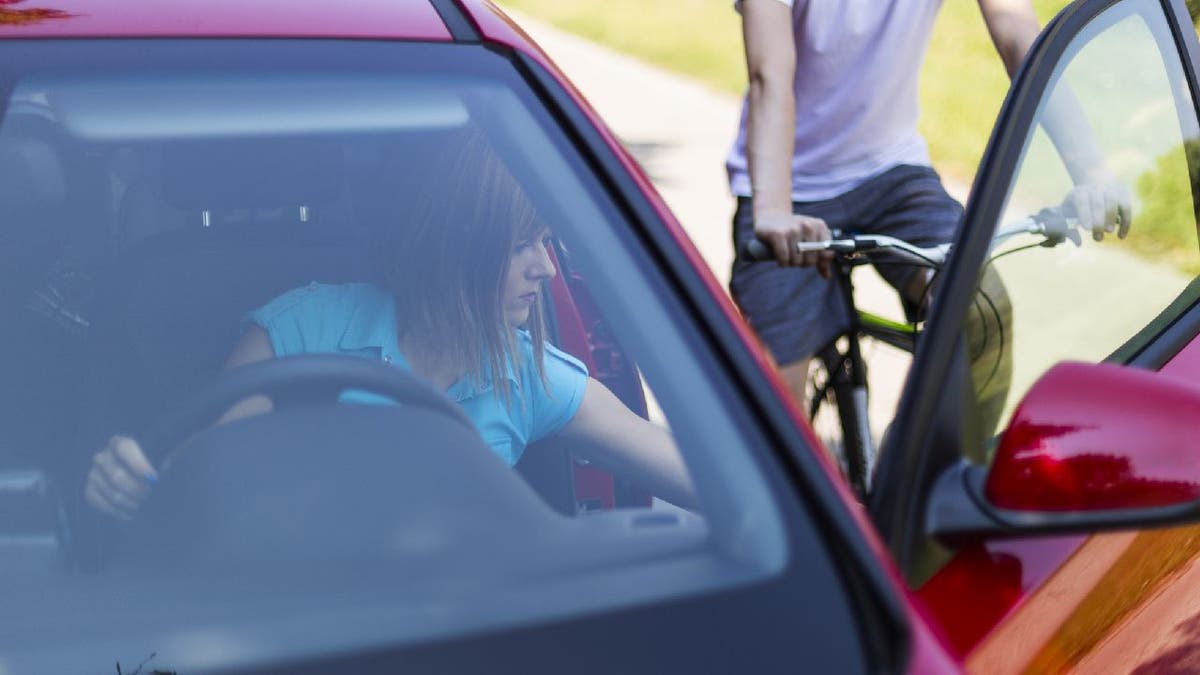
177 178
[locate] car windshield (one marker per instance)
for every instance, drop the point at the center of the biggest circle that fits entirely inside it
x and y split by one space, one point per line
169 207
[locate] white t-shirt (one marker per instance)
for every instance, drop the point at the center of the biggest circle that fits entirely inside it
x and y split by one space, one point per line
857 69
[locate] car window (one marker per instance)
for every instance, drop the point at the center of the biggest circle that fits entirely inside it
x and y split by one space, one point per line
1118 108
168 209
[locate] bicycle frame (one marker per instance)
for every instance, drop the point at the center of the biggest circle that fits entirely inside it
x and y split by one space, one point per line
847 376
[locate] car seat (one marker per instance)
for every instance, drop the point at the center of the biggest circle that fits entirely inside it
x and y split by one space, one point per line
40 344
173 302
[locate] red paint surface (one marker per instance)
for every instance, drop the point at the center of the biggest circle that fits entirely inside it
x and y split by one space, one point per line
1186 364
927 650
1089 437
222 18
592 486
970 596
1160 637
983 583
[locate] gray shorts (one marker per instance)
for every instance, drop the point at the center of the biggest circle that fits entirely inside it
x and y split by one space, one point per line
794 311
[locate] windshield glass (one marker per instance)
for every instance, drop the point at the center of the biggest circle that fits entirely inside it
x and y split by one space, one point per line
192 230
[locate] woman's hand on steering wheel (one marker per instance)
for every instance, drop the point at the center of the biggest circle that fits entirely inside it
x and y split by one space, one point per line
120 478
123 471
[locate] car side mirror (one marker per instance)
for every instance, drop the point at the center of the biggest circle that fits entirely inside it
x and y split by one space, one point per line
1090 447
1099 437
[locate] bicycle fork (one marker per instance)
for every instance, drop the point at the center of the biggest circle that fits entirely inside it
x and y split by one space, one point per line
851 394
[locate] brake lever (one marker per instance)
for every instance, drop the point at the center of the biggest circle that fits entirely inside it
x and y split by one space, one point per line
1058 225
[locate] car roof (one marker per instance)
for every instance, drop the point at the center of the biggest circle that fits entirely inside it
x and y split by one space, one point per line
379 19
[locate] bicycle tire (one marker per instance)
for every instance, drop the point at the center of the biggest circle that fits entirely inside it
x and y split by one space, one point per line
840 388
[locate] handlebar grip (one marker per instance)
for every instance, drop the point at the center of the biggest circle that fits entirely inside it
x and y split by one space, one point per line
1057 224
755 250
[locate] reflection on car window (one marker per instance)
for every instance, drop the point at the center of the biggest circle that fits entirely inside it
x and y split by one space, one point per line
1091 296
162 224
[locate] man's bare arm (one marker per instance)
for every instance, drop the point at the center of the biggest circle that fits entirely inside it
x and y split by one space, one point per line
1099 200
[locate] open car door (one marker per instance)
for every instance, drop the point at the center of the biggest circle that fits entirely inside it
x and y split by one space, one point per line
1048 423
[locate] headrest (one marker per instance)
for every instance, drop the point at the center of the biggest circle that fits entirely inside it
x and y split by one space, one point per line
238 174
32 173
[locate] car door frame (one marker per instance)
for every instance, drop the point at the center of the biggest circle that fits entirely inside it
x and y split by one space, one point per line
925 438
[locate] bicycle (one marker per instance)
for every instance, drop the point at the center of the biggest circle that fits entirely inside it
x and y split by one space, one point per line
841 378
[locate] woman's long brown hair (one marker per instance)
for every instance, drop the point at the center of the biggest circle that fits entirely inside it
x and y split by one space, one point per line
450 258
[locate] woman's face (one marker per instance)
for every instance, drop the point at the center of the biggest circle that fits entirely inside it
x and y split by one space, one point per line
528 267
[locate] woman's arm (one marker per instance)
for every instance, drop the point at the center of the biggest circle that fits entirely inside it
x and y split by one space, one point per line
255 345
606 432
121 475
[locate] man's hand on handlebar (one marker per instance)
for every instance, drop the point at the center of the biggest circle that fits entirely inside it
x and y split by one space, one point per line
1101 204
782 231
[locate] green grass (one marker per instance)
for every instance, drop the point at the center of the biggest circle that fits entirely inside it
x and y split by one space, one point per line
1165 230
962 86
700 38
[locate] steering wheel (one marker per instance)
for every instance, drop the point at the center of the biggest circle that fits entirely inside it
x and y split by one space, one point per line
310 379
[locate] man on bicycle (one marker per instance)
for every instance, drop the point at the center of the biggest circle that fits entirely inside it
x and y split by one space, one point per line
828 139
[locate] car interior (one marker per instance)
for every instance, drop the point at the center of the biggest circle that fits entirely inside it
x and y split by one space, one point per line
148 302
143 216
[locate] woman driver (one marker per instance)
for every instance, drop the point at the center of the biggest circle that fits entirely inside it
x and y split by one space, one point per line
452 314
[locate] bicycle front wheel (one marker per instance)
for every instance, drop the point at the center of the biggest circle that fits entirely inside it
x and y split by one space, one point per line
840 382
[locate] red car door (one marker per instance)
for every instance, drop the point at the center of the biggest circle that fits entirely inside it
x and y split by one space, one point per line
1105 107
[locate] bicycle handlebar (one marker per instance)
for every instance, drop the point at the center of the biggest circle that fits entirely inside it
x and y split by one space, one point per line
756 250
1055 223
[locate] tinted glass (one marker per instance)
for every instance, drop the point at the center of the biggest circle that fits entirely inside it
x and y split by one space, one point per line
169 210
1119 111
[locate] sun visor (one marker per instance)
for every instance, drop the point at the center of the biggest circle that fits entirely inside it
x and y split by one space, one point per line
206 106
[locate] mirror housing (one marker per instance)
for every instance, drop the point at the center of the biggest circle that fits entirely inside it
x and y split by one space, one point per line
1095 437
1090 447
